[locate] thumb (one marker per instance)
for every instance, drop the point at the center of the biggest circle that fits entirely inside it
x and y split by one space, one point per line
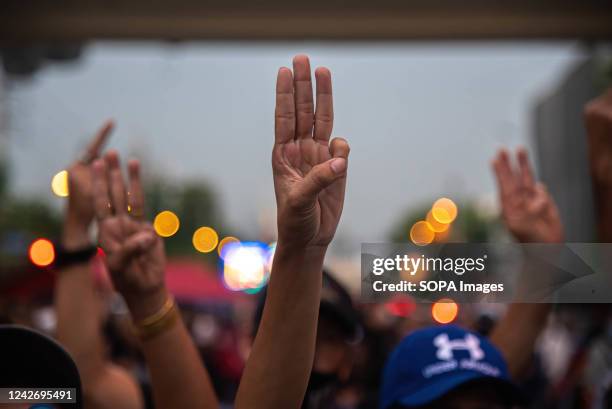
136 243
323 175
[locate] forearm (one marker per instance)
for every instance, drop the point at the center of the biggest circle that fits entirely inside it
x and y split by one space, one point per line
519 329
277 372
78 315
517 333
78 326
79 329
178 377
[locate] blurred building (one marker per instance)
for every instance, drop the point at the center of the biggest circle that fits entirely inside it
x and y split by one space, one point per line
562 150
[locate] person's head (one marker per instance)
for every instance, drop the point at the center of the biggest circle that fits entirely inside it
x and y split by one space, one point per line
338 330
32 360
447 367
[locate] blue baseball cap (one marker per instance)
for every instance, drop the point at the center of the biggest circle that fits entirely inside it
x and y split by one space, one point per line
432 362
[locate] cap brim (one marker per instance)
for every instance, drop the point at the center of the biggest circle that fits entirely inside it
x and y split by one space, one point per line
32 360
437 389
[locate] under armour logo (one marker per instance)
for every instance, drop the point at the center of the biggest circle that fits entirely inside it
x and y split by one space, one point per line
470 343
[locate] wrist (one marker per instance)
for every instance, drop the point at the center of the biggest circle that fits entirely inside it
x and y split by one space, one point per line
160 321
144 305
75 235
284 247
294 258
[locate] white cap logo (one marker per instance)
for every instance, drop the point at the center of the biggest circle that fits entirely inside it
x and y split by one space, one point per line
469 343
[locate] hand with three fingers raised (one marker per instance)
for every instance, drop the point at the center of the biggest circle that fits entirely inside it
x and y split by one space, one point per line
309 170
135 254
528 210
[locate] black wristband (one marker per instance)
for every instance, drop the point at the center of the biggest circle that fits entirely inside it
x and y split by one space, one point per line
65 258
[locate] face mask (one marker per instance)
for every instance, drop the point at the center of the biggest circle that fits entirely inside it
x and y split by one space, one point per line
320 388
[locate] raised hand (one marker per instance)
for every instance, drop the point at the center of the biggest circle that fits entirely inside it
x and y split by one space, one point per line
77 304
80 211
135 255
598 118
309 181
136 260
528 209
309 171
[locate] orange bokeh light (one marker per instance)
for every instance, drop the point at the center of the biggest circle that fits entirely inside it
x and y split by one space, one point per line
444 311
444 210
223 242
421 233
205 239
166 223
436 226
41 252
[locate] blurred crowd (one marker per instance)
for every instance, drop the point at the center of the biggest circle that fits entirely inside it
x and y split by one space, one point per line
305 340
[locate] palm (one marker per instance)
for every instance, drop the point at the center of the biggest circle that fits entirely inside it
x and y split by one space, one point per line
309 195
528 209
534 218
134 253
296 160
141 272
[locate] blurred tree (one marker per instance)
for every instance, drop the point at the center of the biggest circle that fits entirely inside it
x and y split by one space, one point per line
401 231
196 207
22 221
471 224
3 180
31 216
193 202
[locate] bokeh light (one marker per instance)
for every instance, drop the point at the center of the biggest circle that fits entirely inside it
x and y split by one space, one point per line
414 275
444 210
253 290
444 311
59 184
222 249
435 225
205 239
41 252
400 306
166 223
244 266
421 233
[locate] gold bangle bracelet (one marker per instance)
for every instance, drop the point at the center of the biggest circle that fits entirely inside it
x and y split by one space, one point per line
163 319
151 319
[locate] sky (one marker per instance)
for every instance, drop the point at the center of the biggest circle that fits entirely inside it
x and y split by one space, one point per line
422 119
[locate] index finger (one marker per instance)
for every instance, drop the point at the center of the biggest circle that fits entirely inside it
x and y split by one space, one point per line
94 147
506 181
527 179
